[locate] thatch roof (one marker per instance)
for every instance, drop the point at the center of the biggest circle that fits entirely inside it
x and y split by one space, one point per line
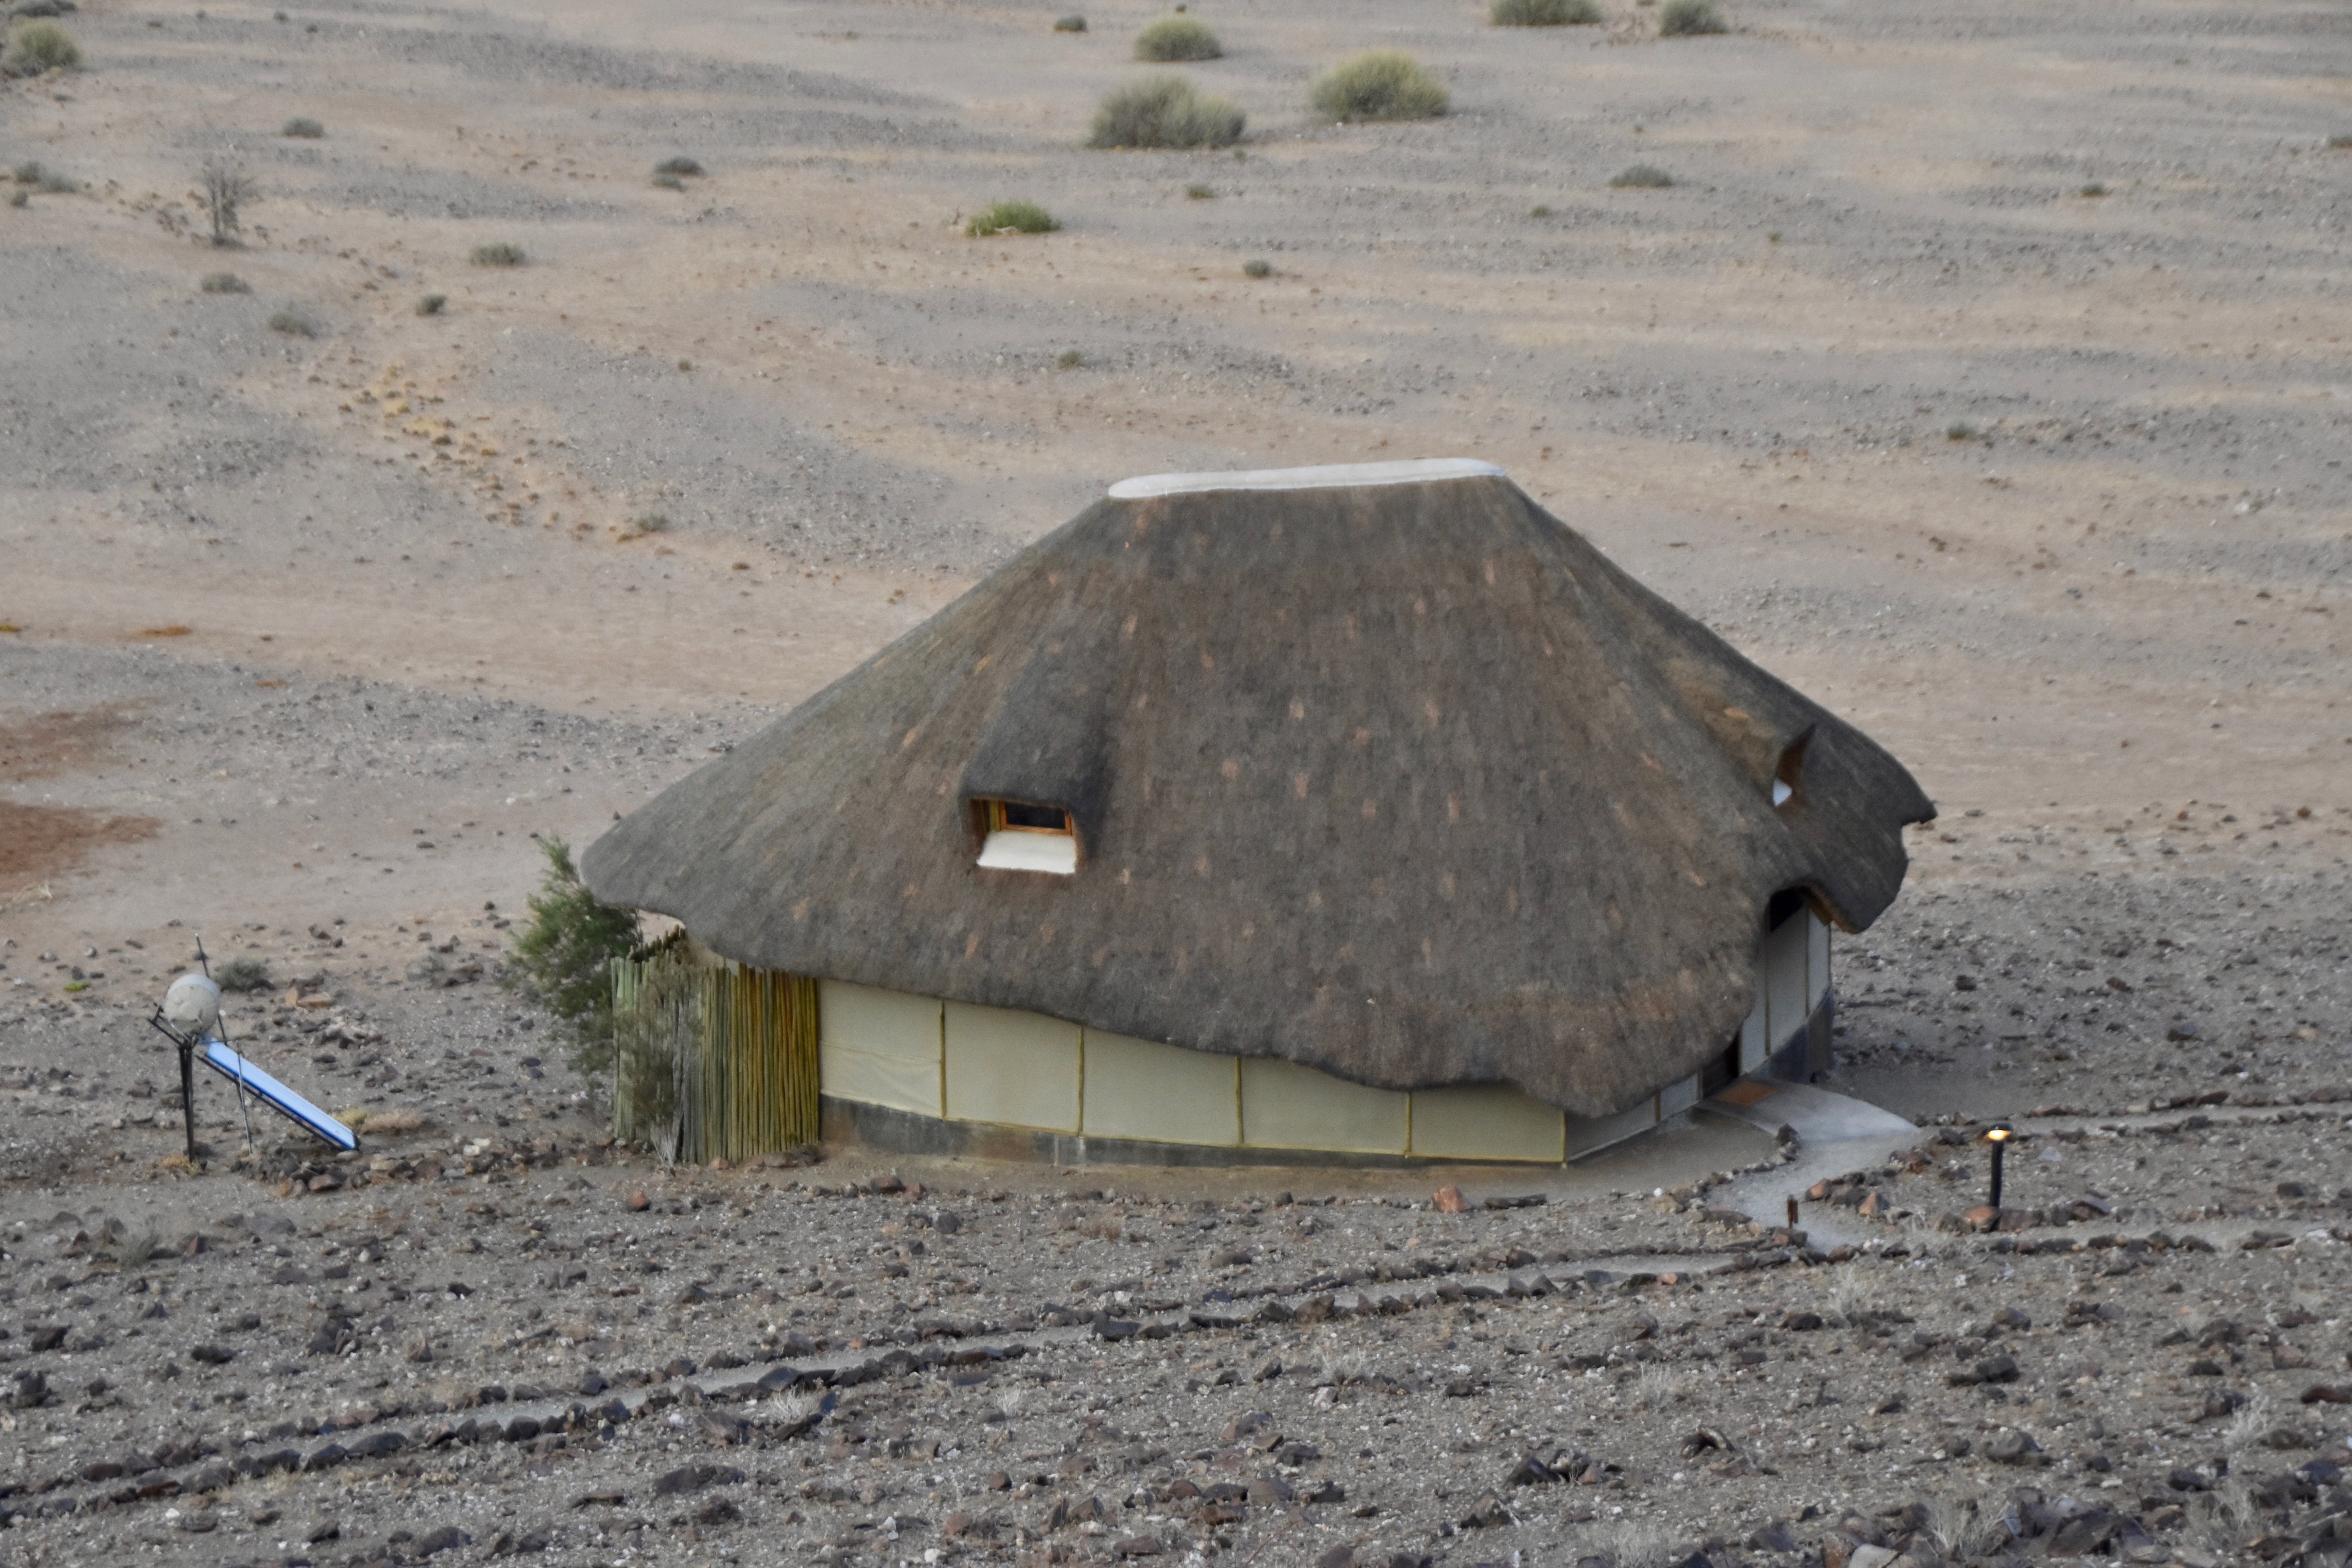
1386 771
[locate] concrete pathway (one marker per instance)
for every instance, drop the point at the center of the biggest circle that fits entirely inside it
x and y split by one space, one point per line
1835 1133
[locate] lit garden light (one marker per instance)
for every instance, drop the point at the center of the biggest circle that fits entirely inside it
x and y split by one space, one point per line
1998 1135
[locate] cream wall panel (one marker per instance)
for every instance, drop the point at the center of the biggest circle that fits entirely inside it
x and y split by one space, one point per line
1587 1135
1755 1050
1286 1106
1817 959
1139 1088
1490 1121
1017 1068
879 1046
1678 1097
1784 980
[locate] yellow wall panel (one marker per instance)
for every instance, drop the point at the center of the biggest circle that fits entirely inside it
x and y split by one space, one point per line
1136 1089
879 1046
1286 1106
1017 1068
1490 1121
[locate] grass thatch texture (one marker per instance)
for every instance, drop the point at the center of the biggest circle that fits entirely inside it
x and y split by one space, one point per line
1165 111
1379 84
1175 38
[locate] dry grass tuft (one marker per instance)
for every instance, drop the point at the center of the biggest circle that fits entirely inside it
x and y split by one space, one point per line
1545 13
1379 84
502 254
225 283
1258 270
1165 111
1011 217
37 46
1070 24
303 127
244 973
1643 177
1174 38
294 323
430 304
1689 19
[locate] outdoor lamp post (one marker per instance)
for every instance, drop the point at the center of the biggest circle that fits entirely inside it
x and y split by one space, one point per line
1998 1135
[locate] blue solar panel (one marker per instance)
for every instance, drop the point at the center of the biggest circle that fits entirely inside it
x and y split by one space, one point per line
222 1060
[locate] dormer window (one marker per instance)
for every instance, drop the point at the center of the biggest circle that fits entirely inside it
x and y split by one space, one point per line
1024 835
1790 773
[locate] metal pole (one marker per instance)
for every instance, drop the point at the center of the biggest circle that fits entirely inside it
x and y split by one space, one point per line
188 1096
1999 1147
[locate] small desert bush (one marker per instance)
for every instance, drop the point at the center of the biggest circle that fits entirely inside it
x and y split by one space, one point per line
562 956
243 974
1689 19
2341 143
1070 24
1177 38
303 127
1200 192
1643 177
2094 189
1960 430
28 172
225 192
1014 217
502 254
649 523
294 324
681 164
1165 111
430 304
37 46
1070 360
129 1248
1379 84
1545 13
1258 270
225 283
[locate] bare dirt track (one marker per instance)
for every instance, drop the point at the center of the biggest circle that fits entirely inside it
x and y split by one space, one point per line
1981 372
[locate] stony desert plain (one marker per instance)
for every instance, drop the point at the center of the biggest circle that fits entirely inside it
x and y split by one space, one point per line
1981 372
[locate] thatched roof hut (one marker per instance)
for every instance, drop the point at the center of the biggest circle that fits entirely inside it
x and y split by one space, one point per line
1381 770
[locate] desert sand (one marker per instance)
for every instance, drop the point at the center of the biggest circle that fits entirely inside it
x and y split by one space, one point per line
1980 373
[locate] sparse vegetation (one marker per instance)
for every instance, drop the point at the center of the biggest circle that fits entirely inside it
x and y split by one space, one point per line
1545 13
225 192
1641 177
502 253
430 304
1174 38
130 1248
225 283
649 523
1689 19
1011 217
680 165
2340 143
303 127
30 173
294 323
1539 210
1069 360
1258 270
560 958
27 174
1200 192
1165 111
1961 430
1070 24
2094 189
1379 84
37 46
243 973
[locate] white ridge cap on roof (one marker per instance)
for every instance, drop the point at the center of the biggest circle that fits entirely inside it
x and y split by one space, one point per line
1332 476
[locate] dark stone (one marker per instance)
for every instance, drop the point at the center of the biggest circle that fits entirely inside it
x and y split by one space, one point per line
445 1539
